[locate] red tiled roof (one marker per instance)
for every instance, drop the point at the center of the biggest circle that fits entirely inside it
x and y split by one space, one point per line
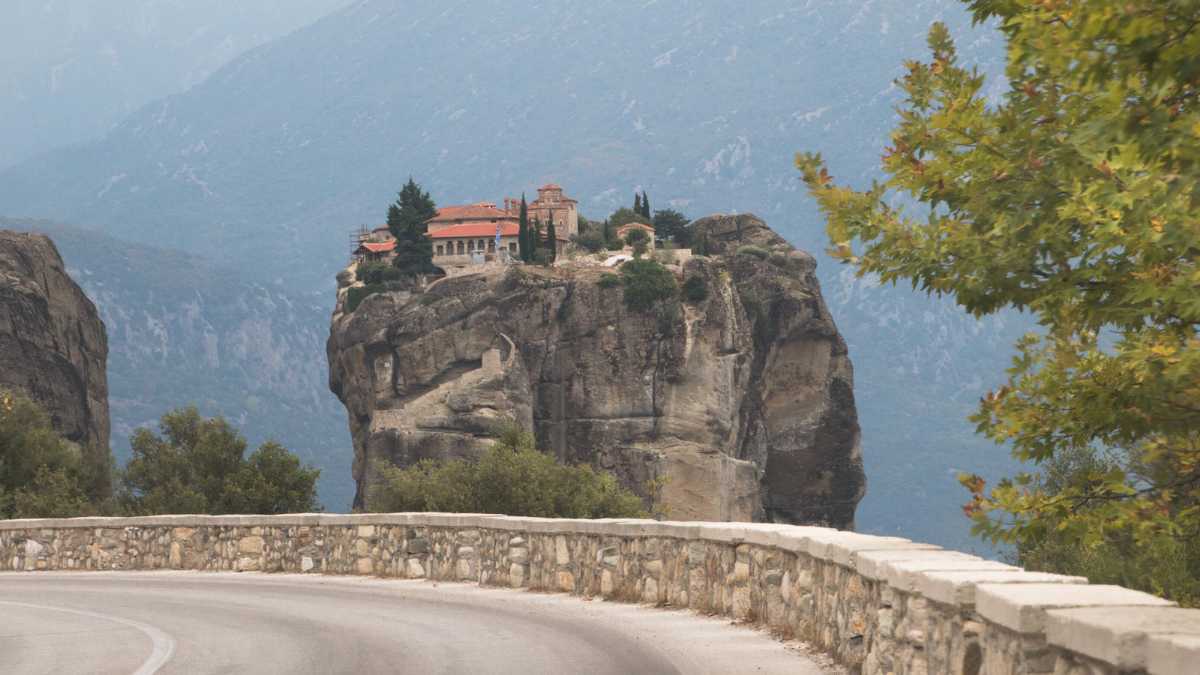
643 226
379 246
484 229
480 211
551 186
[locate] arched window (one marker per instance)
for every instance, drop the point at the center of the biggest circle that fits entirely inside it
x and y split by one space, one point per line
460 247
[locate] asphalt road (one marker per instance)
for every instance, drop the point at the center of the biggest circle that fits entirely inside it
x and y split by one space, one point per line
190 622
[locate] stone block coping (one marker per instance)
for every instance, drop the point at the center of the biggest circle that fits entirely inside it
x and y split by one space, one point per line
958 587
1172 653
1120 638
1022 607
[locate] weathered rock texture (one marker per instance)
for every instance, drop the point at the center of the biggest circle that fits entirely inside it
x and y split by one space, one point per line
52 342
879 605
739 407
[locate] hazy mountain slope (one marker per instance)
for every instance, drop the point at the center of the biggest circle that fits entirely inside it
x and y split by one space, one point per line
71 69
702 103
269 163
184 331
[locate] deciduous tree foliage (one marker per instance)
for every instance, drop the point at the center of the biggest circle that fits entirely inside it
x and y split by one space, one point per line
671 225
196 465
42 475
1075 198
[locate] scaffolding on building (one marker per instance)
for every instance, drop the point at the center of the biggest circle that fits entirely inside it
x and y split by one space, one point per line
357 237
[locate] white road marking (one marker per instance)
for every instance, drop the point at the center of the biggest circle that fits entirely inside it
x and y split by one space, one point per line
163 645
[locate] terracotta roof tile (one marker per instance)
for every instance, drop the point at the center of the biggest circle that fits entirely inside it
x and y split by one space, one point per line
379 246
480 211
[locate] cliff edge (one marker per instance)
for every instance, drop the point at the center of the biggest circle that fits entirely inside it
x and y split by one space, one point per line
53 345
738 406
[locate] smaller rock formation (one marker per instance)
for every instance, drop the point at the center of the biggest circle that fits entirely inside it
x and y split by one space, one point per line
52 342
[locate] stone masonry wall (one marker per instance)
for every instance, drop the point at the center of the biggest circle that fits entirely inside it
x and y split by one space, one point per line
877 604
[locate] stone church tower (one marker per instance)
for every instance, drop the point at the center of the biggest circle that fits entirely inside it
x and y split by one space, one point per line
551 201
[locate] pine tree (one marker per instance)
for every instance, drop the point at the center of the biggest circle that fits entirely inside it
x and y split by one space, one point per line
552 239
646 205
637 203
407 221
524 250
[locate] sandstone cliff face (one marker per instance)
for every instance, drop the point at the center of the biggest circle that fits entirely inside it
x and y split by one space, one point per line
739 407
52 342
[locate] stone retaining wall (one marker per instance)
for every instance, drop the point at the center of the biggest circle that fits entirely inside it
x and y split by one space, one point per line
877 604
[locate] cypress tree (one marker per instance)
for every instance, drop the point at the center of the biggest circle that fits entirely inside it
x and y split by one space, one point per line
407 221
637 202
523 247
552 238
646 204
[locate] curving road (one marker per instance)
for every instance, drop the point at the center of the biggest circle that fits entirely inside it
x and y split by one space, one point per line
190 622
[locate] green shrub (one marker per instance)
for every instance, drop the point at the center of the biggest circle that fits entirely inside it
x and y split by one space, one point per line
635 235
42 475
639 241
511 477
591 240
377 273
760 253
609 280
356 294
695 290
646 282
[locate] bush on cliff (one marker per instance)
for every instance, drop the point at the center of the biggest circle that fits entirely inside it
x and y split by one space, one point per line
377 273
197 465
42 475
591 239
753 251
695 290
511 477
646 282
356 294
